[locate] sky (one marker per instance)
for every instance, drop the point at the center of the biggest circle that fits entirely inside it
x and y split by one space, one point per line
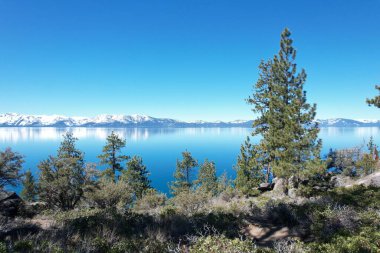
182 59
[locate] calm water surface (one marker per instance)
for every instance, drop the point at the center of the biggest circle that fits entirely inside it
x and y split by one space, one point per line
160 148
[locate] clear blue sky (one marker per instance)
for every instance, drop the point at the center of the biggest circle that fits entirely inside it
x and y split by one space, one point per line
194 59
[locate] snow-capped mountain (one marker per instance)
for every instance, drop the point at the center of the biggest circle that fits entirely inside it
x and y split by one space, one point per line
20 120
339 122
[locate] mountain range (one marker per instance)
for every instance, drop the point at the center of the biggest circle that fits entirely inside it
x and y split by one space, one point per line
143 121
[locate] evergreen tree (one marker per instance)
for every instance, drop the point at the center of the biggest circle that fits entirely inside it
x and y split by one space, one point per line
63 179
285 119
29 191
182 181
331 159
249 174
223 182
207 179
376 100
136 176
111 156
372 148
10 166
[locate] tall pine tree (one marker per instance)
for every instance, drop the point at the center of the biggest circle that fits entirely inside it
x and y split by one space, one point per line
249 173
111 156
29 190
207 179
285 119
10 167
136 176
182 175
63 179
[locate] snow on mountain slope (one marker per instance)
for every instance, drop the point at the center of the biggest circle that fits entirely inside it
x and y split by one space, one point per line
339 122
107 120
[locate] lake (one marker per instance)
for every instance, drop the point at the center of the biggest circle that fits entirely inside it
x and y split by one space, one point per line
160 148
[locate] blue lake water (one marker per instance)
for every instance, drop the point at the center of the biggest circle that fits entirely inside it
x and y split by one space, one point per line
160 148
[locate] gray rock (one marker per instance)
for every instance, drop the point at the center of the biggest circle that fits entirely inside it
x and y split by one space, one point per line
370 180
10 204
339 181
292 193
292 182
265 187
280 186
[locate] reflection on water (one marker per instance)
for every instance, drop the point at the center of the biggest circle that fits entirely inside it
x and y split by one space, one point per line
16 134
350 131
50 133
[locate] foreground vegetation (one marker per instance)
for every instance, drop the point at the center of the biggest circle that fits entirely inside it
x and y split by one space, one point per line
285 198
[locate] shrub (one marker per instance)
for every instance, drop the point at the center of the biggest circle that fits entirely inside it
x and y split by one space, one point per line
3 247
190 202
110 194
230 193
219 243
289 246
352 244
280 214
315 185
139 245
23 246
334 219
67 216
150 200
346 159
358 196
367 164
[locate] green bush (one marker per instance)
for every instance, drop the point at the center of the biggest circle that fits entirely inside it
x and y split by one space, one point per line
150 200
217 244
352 244
358 196
333 220
280 213
231 192
23 246
3 247
190 202
139 245
110 194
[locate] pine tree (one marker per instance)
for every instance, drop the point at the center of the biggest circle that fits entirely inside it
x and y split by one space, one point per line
285 119
63 179
223 182
182 181
207 179
249 174
10 166
111 157
136 176
376 100
29 191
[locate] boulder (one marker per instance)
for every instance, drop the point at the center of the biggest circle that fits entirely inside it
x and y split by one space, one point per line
292 193
340 181
10 203
292 182
280 186
344 181
370 180
265 187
